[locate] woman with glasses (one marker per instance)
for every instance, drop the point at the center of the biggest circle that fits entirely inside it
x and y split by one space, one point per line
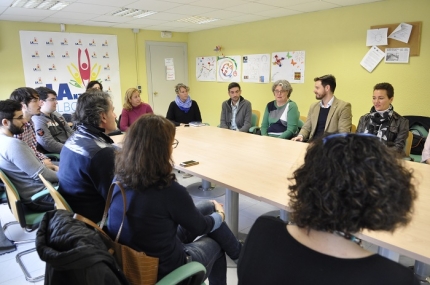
383 121
162 220
348 183
281 116
183 110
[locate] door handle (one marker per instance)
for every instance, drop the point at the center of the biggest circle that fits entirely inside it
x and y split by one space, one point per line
155 93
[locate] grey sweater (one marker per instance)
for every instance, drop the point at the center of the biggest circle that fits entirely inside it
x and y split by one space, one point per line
243 115
22 167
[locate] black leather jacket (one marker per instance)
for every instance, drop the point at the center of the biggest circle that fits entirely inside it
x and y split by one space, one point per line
74 253
396 134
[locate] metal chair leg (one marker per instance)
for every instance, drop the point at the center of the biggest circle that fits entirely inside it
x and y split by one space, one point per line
24 269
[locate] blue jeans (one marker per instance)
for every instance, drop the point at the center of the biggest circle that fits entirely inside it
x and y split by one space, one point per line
210 249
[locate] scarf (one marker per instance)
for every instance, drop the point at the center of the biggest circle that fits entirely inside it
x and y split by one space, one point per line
184 106
379 124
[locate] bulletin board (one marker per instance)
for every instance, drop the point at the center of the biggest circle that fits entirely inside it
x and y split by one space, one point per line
414 40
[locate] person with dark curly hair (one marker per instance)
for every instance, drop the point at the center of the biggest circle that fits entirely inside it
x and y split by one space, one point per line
348 183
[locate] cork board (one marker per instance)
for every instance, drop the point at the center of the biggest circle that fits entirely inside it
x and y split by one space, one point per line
414 40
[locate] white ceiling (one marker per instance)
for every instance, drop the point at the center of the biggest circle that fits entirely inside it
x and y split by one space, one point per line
230 12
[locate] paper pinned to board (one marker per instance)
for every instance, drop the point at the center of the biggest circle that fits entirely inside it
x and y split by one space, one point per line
401 33
372 58
377 37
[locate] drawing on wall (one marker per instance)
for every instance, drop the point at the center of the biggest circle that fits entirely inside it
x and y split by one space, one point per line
228 68
256 68
206 68
288 65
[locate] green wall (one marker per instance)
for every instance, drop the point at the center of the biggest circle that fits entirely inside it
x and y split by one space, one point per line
334 41
12 73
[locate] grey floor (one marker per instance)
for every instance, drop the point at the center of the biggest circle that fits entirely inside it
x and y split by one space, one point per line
10 272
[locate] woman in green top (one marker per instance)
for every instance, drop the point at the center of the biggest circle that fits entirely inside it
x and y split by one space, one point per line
281 117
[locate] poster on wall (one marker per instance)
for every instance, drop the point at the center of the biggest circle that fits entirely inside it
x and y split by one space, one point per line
206 68
66 62
288 65
256 68
228 68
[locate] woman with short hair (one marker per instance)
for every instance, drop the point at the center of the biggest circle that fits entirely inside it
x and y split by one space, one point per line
348 183
281 116
183 110
161 219
133 108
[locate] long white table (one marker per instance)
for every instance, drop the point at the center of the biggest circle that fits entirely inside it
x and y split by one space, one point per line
259 167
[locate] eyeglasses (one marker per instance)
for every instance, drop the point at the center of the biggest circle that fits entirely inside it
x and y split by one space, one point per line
279 91
344 135
51 100
19 118
175 143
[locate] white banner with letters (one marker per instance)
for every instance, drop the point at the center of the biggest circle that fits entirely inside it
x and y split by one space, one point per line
66 62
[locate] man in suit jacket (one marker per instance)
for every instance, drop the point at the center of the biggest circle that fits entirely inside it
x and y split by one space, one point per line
329 115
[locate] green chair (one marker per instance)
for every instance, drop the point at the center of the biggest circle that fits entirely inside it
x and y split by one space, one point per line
193 271
28 219
60 202
255 121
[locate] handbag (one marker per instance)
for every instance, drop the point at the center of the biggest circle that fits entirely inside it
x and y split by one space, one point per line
138 268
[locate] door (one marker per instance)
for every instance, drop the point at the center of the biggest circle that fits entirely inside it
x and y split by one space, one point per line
161 57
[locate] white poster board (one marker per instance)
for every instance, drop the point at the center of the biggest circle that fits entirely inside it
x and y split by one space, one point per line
288 65
66 62
256 68
228 68
206 68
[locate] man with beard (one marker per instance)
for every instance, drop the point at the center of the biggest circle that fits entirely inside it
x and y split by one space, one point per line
30 103
329 115
19 162
236 112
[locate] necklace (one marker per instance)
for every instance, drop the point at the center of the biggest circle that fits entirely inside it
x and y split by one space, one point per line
348 237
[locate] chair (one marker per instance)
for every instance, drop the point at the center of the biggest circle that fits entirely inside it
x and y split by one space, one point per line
193 271
408 144
28 219
353 128
303 118
60 202
255 120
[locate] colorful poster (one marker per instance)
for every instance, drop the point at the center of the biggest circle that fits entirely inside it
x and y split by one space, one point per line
66 62
256 68
288 65
228 68
206 68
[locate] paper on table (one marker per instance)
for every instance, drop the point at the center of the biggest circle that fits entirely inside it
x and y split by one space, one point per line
377 37
372 58
402 33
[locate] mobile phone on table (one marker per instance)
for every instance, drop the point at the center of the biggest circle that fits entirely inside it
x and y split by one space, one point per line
188 163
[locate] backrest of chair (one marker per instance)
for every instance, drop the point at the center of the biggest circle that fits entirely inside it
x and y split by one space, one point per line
12 194
303 118
353 128
255 121
408 144
60 202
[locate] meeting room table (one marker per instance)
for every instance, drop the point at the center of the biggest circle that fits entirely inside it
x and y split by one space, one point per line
260 167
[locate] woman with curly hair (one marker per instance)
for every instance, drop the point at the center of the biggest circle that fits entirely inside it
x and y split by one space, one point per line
161 219
348 183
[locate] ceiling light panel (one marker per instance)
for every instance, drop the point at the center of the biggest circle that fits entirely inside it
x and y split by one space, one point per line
135 13
39 4
197 20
